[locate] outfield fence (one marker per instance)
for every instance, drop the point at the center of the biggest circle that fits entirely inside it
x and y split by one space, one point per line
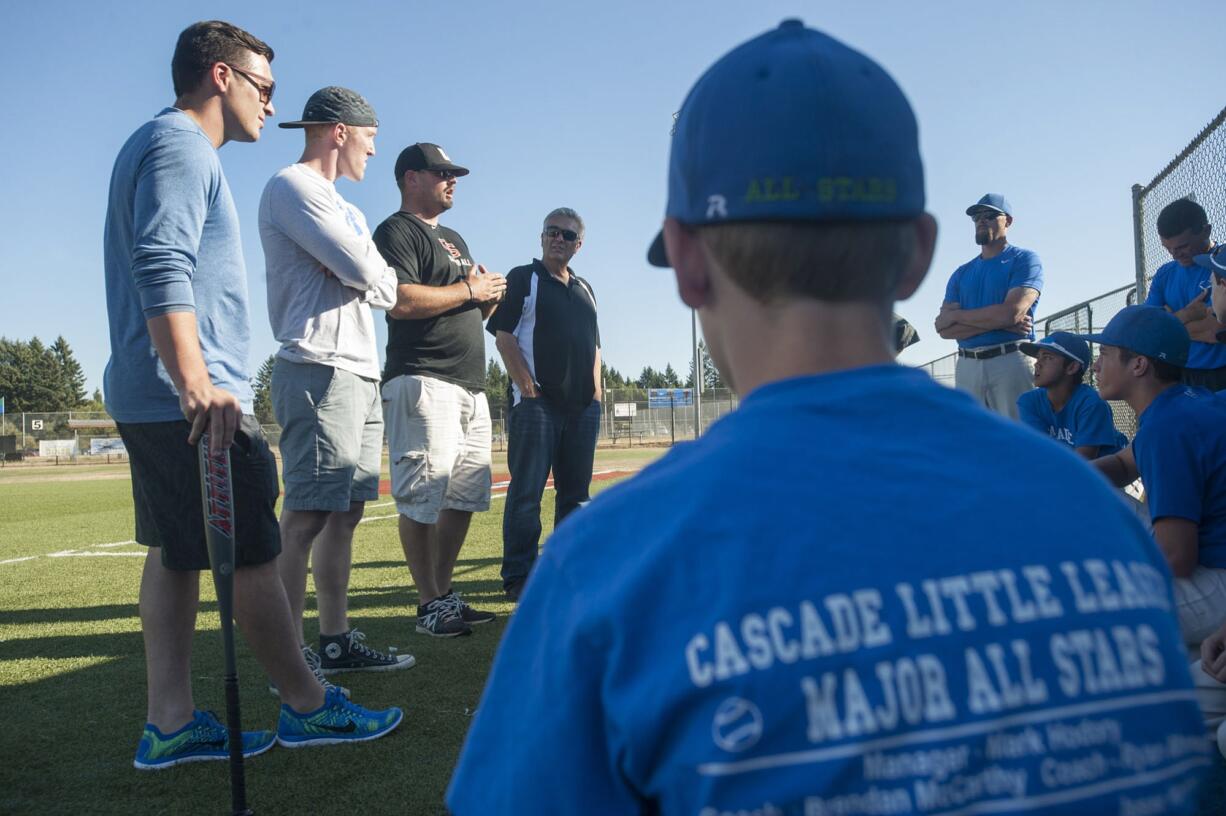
59 436
628 418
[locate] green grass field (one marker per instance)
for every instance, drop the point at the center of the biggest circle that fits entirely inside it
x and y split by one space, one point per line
72 664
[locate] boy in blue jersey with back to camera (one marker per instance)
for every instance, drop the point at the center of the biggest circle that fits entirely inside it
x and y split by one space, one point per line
814 608
1062 405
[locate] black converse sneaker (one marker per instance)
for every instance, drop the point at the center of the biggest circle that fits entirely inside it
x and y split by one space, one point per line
439 619
349 652
467 614
313 663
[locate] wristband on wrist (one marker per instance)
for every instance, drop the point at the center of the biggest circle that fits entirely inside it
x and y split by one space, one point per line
471 297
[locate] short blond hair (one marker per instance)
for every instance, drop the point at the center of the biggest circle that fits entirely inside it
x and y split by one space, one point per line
836 262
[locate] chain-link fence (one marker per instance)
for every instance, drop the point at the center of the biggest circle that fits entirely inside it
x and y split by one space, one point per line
1196 173
60 437
629 417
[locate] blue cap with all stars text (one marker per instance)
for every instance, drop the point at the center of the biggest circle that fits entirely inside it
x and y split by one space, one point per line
793 126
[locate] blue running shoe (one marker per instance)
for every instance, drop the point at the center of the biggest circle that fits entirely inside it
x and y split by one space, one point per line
202 739
337 720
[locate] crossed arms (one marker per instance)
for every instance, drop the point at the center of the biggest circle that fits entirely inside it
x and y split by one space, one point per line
955 323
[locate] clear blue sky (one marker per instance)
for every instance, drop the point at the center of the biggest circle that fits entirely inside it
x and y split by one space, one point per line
1061 106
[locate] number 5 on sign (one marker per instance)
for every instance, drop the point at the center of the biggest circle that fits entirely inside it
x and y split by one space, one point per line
36 424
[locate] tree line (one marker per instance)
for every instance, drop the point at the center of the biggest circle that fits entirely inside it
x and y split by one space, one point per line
37 378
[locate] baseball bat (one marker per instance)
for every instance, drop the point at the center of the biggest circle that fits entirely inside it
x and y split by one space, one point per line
217 495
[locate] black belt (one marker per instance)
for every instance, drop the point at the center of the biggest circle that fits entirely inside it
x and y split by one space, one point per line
990 352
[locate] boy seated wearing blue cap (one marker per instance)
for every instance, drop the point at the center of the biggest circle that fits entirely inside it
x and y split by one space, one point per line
1179 453
814 608
1062 405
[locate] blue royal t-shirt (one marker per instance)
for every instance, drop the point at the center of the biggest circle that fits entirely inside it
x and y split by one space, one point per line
172 244
1175 286
818 608
1085 421
978 283
1180 450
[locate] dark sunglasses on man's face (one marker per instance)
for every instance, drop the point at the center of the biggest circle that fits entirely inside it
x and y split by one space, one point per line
265 91
569 236
445 175
985 215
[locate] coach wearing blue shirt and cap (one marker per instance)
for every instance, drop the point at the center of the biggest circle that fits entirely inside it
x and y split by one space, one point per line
989 308
1179 452
1064 407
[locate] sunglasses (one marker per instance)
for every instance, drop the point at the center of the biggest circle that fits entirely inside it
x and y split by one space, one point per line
569 236
445 175
986 215
265 91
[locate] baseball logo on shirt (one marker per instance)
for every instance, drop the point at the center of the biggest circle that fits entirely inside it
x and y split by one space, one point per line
737 725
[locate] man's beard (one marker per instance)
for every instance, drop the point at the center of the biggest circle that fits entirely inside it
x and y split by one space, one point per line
982 238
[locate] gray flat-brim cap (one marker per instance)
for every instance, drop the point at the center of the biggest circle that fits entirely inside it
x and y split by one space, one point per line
335 104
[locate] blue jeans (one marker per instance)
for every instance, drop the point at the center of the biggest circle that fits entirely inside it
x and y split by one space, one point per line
543 437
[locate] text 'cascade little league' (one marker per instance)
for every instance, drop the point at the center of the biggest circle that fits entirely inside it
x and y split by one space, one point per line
915 689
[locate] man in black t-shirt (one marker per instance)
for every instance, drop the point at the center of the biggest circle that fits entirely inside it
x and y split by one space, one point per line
435 410
548 338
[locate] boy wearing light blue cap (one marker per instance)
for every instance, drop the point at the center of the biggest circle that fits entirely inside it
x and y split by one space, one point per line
1062 405
815 608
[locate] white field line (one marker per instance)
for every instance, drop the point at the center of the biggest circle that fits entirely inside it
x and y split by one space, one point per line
88 554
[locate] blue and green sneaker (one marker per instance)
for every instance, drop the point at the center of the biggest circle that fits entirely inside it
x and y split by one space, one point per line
202 739
337 720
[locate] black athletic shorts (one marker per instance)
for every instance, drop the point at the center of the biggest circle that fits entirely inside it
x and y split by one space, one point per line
166 490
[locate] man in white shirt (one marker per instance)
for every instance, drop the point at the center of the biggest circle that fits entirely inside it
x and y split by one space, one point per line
324 274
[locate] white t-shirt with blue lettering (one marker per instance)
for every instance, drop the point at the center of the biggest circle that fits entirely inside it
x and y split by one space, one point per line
817 609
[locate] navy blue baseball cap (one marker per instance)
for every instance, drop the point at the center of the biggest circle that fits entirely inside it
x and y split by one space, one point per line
1214 260
793 125
991 201
1065 343
1146 330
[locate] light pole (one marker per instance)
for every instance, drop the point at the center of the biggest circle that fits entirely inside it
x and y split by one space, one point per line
697 375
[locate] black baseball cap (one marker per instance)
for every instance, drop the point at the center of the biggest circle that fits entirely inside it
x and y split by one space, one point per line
425 156
335 104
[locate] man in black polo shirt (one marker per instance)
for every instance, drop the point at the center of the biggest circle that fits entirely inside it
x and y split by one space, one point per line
435 410
547 335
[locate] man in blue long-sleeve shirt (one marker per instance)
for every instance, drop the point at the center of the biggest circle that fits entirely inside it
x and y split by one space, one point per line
177 305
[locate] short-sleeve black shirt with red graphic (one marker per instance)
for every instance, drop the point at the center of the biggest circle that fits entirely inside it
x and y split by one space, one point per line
449 346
